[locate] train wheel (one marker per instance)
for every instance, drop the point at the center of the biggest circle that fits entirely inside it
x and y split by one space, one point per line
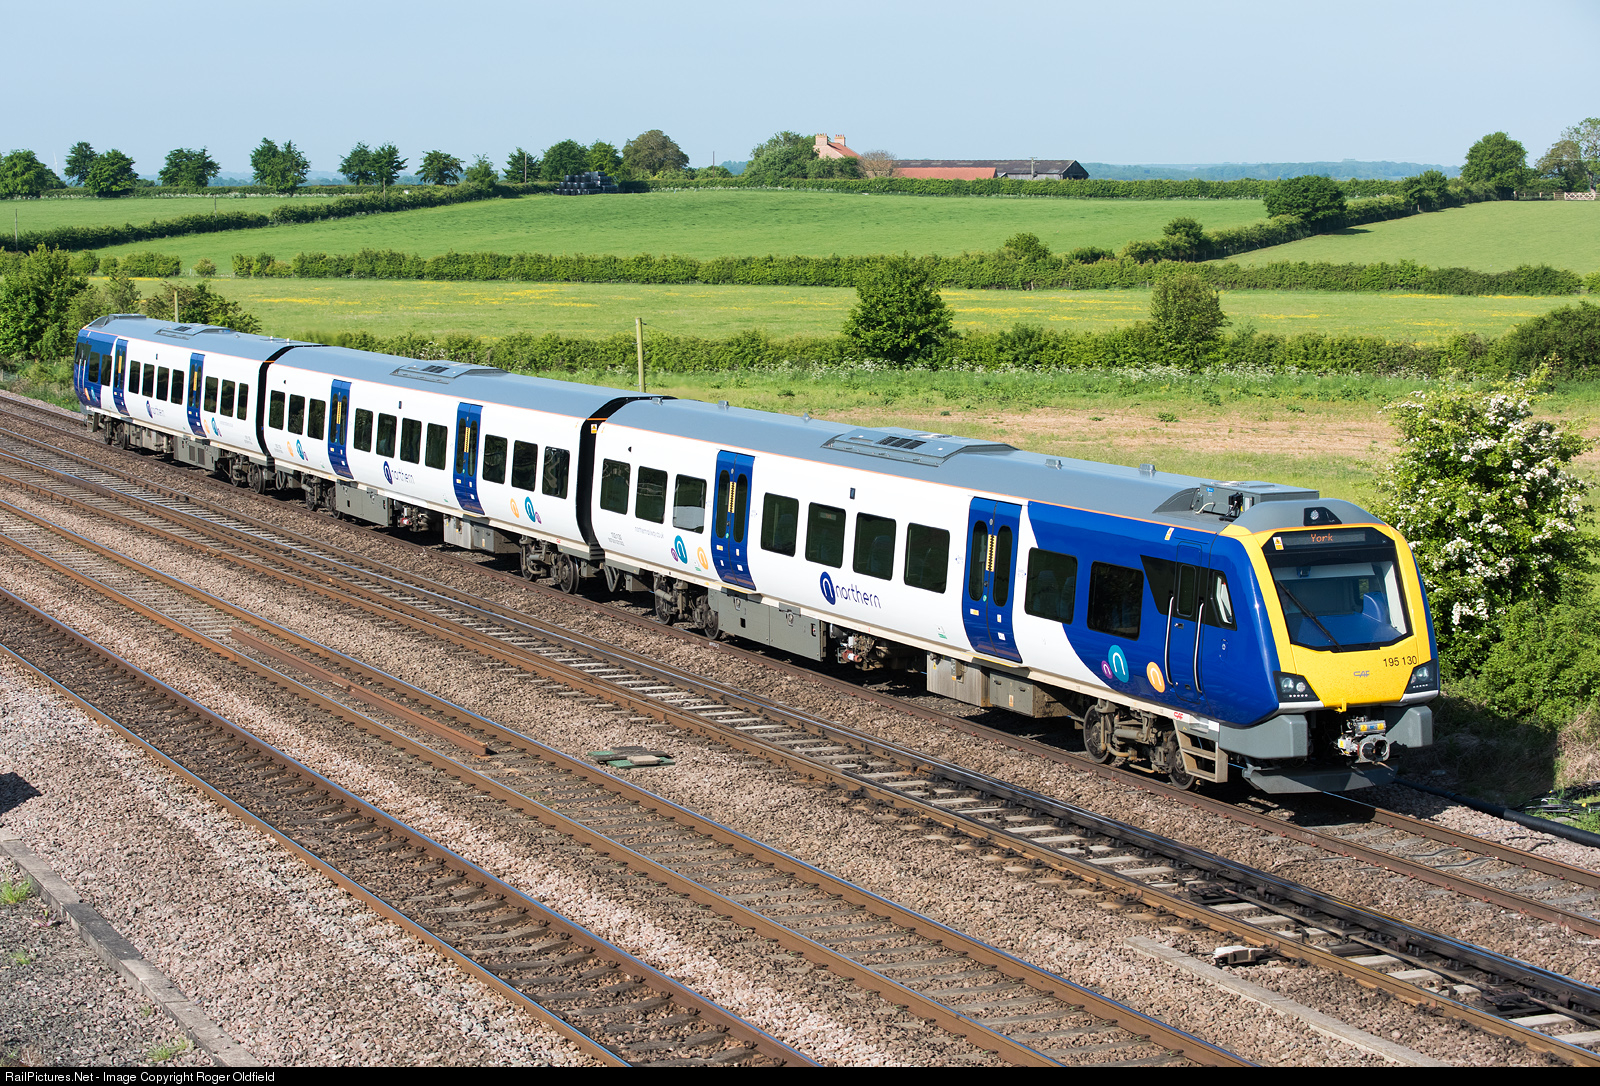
711 624
258 479
664 610
1177 772
1099 733
565 573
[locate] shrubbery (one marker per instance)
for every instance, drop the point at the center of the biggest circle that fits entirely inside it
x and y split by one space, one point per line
150 265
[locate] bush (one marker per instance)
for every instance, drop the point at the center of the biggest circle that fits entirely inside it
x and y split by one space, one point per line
36 298
1545 667
205 268
899 316
151 265
199 305
1311 198
1567 340
1187 314
85 263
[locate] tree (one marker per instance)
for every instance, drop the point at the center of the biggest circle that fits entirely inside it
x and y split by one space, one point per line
1497 160
356 167
522 166
189 170
566 157
439 168
602 157
386 165
111 175
1186 313
899 315
22 174
199 305
1426 191
785 155
36 299
279 169
79 160
1575 157
1026 247
877 163
1185 238
653 152
1314 198
1484 494
481 172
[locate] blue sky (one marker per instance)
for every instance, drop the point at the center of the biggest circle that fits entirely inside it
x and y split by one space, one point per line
1155 82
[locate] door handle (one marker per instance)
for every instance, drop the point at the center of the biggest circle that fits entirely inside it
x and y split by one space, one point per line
1166 652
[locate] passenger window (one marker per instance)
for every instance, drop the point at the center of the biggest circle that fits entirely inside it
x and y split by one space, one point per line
979 557
438 439
780 524
689 504
1002 566
874 546
1052 588
133 373
315 418
177 386
927 557
1116 596
244 400
363 434
163 381
466 448
275 411
555 472
1219 604
494 460
386 427
524 465
650 503
825 535
227 398
147 387
297 414
410 440
614 486
211 394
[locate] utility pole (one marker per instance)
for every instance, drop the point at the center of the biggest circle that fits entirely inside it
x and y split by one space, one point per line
524 167
638 339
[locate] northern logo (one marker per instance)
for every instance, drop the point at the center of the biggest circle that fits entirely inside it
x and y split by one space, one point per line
387 474
527 507
1118 664
298 451
679 551
215 431
827 589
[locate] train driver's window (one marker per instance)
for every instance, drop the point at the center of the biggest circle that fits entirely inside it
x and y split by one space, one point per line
244 400
386 428
780 524
275 411
689 504
874 546
363 434
315 418
494 459
410 440
227 398
1052 589
297 414
650 501
524 465
614 486
1116 596
163 380
825 535
147 387
927 557
556 462
211 395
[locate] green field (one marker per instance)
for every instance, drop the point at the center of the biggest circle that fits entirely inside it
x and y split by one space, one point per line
713 223
88 211
1487 237
318 308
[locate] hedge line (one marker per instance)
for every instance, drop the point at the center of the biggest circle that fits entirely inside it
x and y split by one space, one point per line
1245 189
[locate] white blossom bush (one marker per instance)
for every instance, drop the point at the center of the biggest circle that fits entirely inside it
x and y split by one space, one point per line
1482 491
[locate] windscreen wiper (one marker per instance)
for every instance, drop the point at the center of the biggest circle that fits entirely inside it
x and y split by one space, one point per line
1304 610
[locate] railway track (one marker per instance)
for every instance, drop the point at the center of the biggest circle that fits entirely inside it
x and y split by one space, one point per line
1268 912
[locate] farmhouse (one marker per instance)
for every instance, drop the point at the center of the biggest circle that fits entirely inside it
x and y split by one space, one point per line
834 148
1023 169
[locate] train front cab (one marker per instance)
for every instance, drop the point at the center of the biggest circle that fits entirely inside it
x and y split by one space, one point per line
1355 659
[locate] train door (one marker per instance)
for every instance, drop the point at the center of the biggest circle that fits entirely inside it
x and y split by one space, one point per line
469 419
993 529
730 546
119 376
1179 589
80 374
197 366
339 404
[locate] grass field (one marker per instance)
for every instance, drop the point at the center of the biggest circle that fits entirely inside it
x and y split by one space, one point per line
723 223
316 308
1488 237
50 214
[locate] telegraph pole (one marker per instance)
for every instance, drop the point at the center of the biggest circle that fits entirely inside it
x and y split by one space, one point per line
638 339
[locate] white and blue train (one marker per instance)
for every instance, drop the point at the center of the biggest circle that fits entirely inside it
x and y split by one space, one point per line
1195 627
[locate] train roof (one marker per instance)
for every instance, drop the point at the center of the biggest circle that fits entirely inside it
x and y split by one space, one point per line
205 338
982 466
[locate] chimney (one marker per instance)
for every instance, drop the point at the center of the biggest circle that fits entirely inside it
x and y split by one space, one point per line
839 140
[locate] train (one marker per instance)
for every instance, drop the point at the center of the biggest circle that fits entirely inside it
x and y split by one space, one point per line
1196 629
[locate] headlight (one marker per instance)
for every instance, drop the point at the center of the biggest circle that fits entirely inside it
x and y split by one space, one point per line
1424 677
1294 688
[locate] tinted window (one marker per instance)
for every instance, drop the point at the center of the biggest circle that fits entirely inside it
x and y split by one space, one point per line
1002 566
227 397
133 372
978 558
466 448
650 503
363 433
244 400
1219 603
1052 588
524 466
741 505
614 486
780 523
211 392
555 472
386 428
315 417
874 546
825 535
494 460
297 414
163 382
410 440
275 411
689 504
177 389
1173 585
927 557
438 440
147 387
1116 595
